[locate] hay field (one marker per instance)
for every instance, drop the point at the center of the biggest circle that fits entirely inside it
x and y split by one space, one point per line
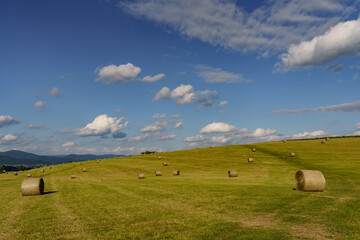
108 201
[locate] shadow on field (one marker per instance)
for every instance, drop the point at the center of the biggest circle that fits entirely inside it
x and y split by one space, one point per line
49 192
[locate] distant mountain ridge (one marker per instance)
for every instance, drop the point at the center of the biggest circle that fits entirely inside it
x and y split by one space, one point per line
15 157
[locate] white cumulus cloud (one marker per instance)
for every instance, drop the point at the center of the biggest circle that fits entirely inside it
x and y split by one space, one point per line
341 40
157 126
197 138
39 104
185 94
179 124
122 73
217 127
55 92
102 125
7 121
9 138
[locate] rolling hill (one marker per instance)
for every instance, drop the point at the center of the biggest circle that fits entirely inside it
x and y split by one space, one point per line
109 202
15 157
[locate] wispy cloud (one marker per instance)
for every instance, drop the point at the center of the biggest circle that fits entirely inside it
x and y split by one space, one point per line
154 127
335 68
352 107
34 126
274 25
217 75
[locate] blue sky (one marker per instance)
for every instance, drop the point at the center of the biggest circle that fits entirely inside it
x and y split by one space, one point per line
127 76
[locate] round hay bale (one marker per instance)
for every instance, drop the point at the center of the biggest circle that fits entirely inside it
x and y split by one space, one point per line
158 173
15 173
250 160
42 170
232 173
141 176
322 142
327 139
84 169
28 175
73 176
32 186
176 173
4 171
159 157
74 165
292 154
21 171
284 141
50 167
98 161
165 164
253 149
310 181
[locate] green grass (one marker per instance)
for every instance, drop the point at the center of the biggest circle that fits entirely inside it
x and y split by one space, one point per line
109 202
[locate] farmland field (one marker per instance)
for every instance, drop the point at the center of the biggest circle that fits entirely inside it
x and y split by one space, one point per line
109 202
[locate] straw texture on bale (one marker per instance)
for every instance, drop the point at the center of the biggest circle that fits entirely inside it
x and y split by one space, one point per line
165 164
158 173
322 142
232 173
98 161
159 158
284 141
310 181
327 139
32 186
292 154
250 160
42 170
73 176
21 171
253 150
176 173
84 169
28 175
141 176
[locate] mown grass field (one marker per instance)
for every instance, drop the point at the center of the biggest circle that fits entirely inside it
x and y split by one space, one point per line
109 202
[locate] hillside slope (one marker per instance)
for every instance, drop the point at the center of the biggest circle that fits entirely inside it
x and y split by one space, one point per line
109 202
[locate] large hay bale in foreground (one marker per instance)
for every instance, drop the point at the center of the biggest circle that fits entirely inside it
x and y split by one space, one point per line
292 154
73 176
28 175
176 173
232 173
310 181
141 176
32 186
253 150
250 160
165 164
158 173
84 169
